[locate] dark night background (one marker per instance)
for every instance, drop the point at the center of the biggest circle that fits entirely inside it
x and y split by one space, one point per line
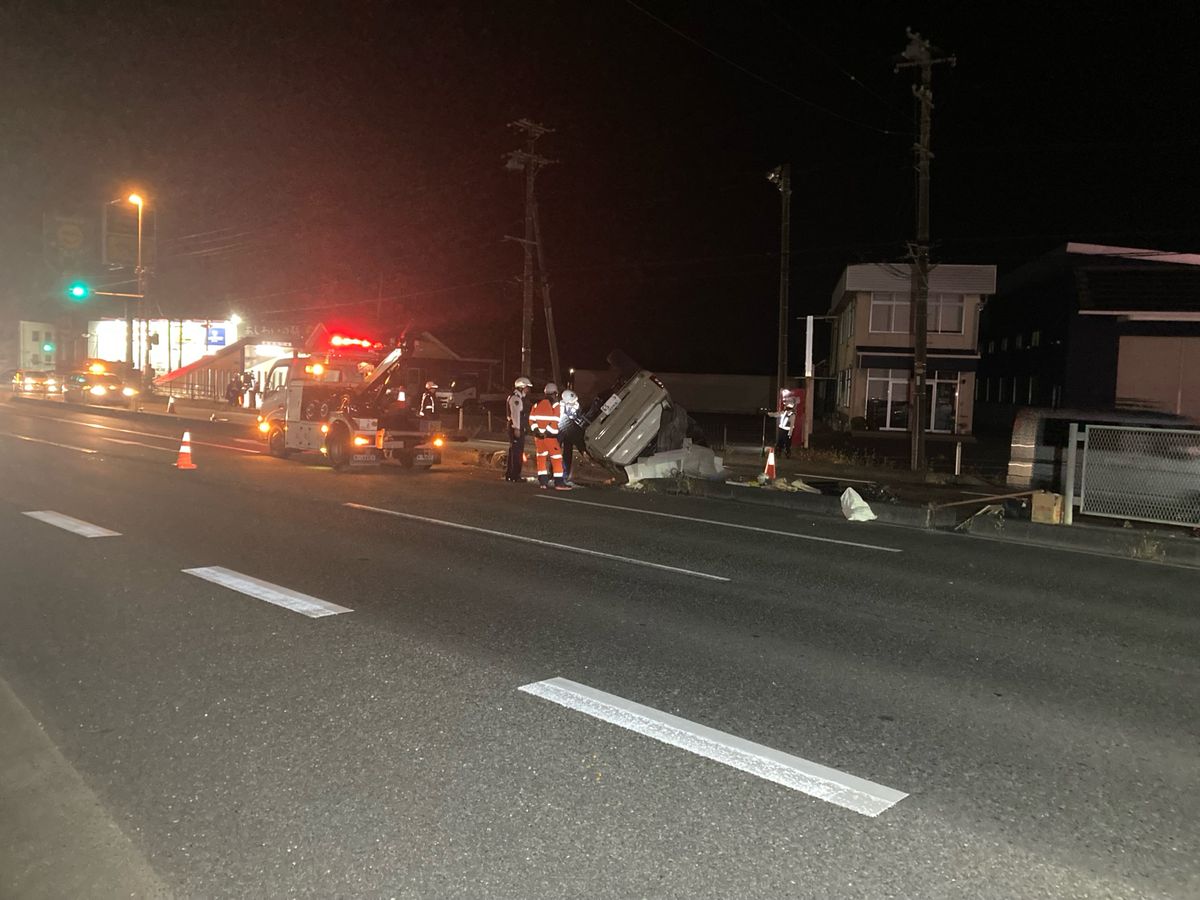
305 155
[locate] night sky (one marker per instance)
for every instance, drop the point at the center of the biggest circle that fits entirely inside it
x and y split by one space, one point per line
308 159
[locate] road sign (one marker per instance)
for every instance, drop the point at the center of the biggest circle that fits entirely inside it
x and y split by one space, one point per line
216 336
66 240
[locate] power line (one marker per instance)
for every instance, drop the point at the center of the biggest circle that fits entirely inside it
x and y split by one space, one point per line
759 78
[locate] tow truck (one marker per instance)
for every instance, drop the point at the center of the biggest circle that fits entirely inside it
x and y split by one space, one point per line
353 425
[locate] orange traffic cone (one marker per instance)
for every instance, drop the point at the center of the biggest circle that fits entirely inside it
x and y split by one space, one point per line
185 453
769 471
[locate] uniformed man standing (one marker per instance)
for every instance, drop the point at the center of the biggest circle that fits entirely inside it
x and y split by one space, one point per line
785 426
569 406
516 428
429 401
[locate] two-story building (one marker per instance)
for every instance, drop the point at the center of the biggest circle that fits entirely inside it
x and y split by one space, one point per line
871 354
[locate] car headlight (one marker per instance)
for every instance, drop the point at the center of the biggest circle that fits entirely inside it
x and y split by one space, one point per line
98 390
128 392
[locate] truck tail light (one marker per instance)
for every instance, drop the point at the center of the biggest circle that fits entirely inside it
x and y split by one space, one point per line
360 441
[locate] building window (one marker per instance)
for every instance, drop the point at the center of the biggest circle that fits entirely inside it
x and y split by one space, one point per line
992 346
1003 345
946 314
889 313
1018 341
887 399
1035 339
37 337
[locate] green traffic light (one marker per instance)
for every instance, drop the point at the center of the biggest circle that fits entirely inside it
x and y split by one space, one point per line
47 348
78 291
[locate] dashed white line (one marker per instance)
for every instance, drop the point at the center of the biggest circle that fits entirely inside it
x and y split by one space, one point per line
814 779
791 534
272 593
530 540
161 437
69 523
25 437
137 444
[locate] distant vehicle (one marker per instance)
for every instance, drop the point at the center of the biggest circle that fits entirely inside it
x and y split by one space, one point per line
466 393
352 424
100 388
40 383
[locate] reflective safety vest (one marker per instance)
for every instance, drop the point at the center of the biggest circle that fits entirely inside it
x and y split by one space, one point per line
787 419
543 418
428 404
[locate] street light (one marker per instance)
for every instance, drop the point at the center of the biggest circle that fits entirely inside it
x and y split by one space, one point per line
139 272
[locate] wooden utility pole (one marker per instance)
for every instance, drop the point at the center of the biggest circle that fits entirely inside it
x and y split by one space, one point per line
920 54
545 279
781 177
530 163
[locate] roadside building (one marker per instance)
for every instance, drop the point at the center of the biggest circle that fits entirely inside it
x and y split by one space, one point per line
1093 327
871 354
28 345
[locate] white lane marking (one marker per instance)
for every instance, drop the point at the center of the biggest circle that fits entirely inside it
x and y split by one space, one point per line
814 779
791 534
272 593
159 437
539 542
68 523
25 437
137 444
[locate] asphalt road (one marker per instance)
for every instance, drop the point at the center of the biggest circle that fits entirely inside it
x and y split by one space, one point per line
1034 710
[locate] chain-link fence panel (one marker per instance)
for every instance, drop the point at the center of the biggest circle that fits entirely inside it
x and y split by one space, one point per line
1147 474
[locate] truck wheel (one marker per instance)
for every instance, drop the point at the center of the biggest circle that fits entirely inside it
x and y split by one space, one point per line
277 444
338 444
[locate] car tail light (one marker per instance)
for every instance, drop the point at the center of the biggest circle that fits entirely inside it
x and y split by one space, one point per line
360 441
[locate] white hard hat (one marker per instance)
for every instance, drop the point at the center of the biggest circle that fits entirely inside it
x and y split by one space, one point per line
430 386
569 397
551 388
522 382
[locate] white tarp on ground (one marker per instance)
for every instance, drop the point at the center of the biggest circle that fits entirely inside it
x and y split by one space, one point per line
855 508
698 462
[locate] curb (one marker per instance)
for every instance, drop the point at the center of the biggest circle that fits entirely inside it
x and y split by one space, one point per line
1150 545
1166 547
119 412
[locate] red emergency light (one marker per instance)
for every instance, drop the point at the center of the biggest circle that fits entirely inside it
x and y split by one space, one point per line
340 340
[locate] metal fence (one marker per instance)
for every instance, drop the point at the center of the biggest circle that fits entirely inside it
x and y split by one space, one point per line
1147 474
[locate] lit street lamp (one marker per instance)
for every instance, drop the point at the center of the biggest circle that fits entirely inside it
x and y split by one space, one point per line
140 273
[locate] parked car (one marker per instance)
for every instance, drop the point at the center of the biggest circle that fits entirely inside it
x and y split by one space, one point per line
102 388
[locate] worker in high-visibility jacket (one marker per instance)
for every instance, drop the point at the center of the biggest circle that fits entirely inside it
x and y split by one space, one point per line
429 401
543 422
785 426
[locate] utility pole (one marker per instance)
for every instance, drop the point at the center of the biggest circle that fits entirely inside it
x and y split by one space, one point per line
530 163
545 279
781 177
920 54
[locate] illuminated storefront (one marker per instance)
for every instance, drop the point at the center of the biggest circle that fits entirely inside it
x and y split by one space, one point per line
172 343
